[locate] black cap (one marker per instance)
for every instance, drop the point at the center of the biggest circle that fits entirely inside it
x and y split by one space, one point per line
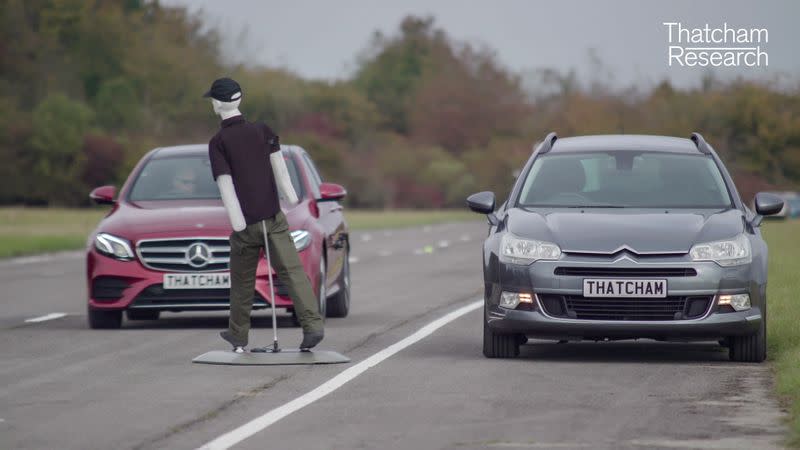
224 90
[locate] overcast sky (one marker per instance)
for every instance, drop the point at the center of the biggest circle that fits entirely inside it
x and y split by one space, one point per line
322 39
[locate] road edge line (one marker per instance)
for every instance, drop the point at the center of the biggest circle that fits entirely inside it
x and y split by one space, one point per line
258 424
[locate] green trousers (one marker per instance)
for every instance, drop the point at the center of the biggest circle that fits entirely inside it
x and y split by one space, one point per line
245 247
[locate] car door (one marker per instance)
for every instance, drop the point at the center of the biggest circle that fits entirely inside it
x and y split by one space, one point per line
331 219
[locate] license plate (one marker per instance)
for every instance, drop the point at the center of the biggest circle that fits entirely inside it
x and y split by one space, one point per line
215 280
605 287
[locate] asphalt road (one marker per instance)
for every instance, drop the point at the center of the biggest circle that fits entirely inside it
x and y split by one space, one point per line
65 386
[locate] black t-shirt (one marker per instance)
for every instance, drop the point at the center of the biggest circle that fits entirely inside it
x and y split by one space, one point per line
242 149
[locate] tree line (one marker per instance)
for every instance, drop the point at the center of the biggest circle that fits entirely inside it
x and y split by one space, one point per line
87 87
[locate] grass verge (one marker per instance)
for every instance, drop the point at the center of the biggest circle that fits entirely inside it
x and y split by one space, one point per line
372 220
25 231
783 325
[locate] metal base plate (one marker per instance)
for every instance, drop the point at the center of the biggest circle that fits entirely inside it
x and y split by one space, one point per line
287 356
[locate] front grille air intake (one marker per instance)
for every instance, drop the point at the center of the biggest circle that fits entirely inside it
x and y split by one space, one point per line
626 272
156 297
171 255
108 289
645 309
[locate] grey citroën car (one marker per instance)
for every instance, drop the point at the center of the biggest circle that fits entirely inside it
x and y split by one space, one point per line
621 237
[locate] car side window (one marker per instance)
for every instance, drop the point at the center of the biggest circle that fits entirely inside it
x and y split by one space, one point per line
313 168
294 176
314 175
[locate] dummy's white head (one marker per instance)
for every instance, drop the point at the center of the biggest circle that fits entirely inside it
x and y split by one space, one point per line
226 108
226 95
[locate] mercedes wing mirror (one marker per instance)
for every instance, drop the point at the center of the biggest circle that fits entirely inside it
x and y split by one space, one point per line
104 195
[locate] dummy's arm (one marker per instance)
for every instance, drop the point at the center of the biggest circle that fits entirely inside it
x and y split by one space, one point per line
282 177
231 202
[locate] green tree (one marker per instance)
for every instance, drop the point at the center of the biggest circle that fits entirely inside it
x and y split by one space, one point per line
117 105
55 157
390 71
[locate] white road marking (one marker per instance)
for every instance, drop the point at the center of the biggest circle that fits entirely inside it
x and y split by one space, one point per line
46 317
352 259
427 228
443 244
385 253
366 237
418 251
258 424
464 238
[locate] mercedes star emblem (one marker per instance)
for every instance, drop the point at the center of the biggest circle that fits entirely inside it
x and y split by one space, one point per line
198 255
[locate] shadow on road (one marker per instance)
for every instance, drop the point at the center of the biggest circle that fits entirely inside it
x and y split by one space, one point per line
628 351
641 351
210 322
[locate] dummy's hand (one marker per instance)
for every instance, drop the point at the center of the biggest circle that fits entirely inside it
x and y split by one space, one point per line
231 202
239 226
282 179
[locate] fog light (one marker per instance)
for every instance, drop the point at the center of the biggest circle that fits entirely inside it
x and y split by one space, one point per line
738 302
510 300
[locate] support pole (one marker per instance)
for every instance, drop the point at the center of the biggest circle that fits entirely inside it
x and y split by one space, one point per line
275 347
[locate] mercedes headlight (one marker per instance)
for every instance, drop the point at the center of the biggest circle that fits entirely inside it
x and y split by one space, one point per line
113 246
730 252
525 251
301 238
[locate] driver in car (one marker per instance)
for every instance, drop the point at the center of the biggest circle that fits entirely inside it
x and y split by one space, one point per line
183 183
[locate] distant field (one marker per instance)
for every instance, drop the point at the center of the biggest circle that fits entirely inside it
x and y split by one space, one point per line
37 230
26 231
370 220
783 325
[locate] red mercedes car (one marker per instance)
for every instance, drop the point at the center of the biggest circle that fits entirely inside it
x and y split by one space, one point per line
164 244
